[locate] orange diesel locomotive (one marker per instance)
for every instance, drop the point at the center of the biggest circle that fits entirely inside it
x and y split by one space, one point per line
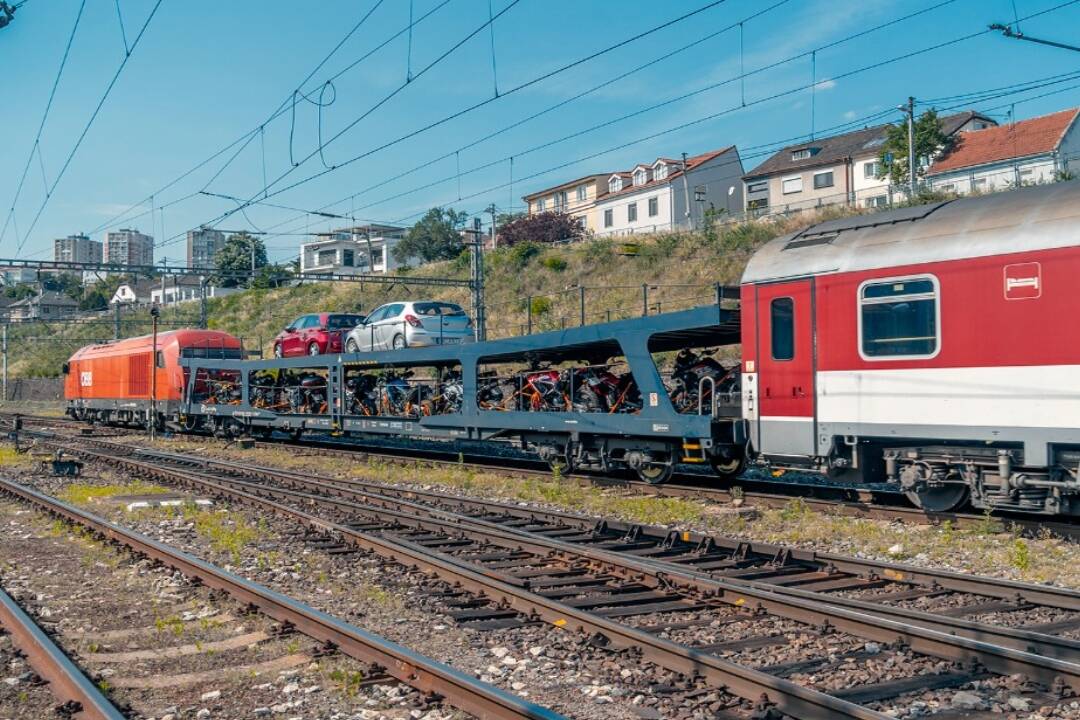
115 382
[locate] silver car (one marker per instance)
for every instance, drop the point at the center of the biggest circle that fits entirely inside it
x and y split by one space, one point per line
420 323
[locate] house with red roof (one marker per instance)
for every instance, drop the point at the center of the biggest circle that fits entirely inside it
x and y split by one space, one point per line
1029 152
671 194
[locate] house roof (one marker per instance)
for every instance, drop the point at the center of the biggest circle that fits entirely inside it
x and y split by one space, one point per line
830 150
49 297
1034 136
691 163
597 177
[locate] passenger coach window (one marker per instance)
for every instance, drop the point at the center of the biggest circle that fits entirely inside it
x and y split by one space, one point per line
898 318
782 312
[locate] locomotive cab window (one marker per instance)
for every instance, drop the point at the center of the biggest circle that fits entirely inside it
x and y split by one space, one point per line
782 320
899 318
160 358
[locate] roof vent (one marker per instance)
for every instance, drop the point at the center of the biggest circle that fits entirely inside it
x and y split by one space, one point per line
800 242
860 222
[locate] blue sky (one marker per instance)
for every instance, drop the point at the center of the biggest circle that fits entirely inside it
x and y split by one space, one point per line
207 73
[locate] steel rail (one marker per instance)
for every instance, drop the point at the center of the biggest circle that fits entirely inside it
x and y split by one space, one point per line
750 684
1048 595
1029 641
694 582
78 695
1048 671
863 507
463 691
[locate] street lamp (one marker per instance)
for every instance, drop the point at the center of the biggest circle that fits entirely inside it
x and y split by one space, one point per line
155 312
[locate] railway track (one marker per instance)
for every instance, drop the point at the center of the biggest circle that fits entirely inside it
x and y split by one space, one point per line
671 601
851 502
77 695
435 679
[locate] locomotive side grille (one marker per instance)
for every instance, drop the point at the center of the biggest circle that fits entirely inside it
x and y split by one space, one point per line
139 374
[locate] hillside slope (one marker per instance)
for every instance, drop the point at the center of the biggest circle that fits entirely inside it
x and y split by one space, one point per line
679 269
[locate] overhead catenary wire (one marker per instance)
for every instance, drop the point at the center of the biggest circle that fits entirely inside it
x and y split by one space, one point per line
36 145
667 102
89 123
282 108
522 86
654 106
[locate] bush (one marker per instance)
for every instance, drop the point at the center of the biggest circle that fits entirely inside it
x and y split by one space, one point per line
545 227
554 263
540 306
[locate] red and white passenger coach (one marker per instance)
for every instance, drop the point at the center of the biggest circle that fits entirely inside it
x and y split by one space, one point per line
937 346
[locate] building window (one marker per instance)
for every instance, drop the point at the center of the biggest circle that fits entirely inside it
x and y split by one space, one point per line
950 187
782 320
978 184
582 193
631 212
898 318
660 172
755 187
823 180
614 184
803 154
347 258
609 218
877 201
871 169
541 204
654 207
327 257
640 177
791 185
560 201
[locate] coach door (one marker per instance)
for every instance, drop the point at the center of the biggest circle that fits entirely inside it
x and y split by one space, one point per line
786 362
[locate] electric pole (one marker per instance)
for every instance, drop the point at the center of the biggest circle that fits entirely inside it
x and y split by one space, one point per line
686 193
154 313
909 110
491 209
480 329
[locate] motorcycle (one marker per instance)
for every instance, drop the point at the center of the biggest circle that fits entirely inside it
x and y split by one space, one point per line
687 375
397 396
306 394
597 389
448 396
490 394
362 398
543 390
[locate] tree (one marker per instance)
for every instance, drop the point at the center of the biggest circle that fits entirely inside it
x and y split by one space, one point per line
271 276
930 141
545 227
20 291
67 283
234 259
434 237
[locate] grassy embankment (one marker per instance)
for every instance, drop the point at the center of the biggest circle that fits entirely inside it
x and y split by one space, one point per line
680 267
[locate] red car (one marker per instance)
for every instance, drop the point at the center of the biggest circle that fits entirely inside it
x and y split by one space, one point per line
315 334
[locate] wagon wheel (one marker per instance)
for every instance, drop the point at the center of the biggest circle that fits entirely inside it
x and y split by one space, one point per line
656 472
728 467
941 498
563 463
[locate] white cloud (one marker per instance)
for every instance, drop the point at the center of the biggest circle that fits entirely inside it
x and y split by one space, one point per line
850 115
825 85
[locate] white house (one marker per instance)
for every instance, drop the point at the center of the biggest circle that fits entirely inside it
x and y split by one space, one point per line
137 293
181 289
663 195
1029 152
346 251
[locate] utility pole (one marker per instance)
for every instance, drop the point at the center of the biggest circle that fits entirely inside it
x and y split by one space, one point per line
252 282
480 329
491 209
686 193
154 313
909 110
202 302
116 320
5 361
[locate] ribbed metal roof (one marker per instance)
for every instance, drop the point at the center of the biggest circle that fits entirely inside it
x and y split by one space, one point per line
1027 219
